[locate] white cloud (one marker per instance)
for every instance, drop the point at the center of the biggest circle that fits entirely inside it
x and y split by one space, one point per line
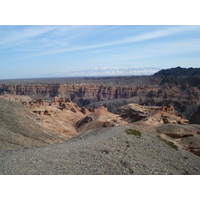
160 33
15 36
138 38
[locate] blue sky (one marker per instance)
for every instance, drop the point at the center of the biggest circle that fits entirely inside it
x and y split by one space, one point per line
41 51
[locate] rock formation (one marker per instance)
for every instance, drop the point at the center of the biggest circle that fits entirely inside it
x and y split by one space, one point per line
17 98
60 115
65 117
98 119
151 115
186 137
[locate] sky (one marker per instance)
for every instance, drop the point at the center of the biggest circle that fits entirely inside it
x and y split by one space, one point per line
46 51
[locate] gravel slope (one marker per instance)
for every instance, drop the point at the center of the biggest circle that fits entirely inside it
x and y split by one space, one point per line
20 128
102 151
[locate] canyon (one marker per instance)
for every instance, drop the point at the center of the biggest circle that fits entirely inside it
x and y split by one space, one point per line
178 87
123 118
64 119
37 137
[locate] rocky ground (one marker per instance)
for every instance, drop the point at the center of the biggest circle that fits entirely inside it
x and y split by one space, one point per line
102 151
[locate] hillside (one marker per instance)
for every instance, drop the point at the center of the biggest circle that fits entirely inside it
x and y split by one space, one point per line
20 128
25 122
103 151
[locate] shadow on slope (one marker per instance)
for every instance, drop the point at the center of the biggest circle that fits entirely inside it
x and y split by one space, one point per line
20 128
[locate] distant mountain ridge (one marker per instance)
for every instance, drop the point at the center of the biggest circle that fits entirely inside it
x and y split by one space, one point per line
139 71
106 71
178 72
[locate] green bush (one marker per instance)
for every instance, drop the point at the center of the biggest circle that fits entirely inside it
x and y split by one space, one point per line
171 144
138 134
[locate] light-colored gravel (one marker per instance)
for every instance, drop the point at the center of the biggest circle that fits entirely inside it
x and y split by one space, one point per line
102 151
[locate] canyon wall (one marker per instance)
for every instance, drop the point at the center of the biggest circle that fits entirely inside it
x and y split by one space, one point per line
179 87
184 96
96 92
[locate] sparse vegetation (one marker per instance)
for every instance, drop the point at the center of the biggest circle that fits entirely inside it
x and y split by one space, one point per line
159 131
138 134
169 143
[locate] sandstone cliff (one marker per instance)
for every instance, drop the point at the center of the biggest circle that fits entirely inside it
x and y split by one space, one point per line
150 115
185 97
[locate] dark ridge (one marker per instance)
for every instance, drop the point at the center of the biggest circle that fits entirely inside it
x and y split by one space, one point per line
178 72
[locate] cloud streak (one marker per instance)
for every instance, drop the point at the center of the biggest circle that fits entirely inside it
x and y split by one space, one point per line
137 38
158 50
30 32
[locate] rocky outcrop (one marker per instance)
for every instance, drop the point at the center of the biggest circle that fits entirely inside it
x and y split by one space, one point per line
151 115
17 98
100 118
186 137
60 115
65 117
